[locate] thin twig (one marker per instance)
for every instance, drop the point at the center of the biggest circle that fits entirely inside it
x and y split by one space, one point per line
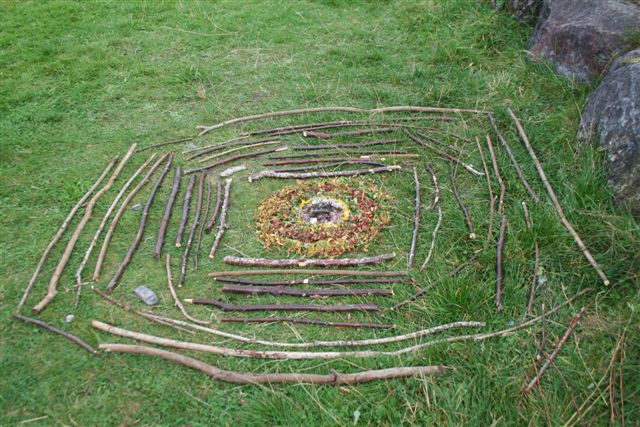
326 166
283 307
88 210
309 175
314 282
233 150
434 234
307 322
205 214
536 265
315 262
222 226
282 290
496 171
465 212
416 221
556 202
320 160
437 141
350 145
216 209
492 200
366 273
56 237
572 325
143 222
162 144
168 210
192 232
513 159
186 204
436 189
177 301
322 135
74 339
499 256
233 159
201 151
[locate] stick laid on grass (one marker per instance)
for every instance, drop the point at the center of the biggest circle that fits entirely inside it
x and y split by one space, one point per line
74 339
282 290
496 170
216 209
536 262
436 188
365 273
192 232
434 234
334 379
88 210
56 237
118 214
302 262
310 175
416 221
323 135
326 166
305 321
222 226
168 210
556 202
572 325
314 282
232 150
348 145
465 212
186 204
162 144
203 219
177 301
492 200
284 307
219 146
143 222
103 223
234 158
499 256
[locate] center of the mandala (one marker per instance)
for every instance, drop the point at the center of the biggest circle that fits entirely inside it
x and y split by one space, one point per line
322 210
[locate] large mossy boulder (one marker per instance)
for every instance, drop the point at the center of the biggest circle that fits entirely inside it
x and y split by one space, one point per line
612 117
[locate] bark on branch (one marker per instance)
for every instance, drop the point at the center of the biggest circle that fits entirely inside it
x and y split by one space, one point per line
308 175
317 262
282 290
284 307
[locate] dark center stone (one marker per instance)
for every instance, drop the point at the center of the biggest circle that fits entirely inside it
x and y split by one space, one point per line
322 211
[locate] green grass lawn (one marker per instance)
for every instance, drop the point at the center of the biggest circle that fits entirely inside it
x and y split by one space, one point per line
81 82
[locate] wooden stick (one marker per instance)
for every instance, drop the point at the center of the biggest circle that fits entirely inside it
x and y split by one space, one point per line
319 160
88 210
216 209
366 273
556 202
176 301
56 237
222 226
433 240
536 265
168 210
192 232
232 150
316 262
465 212
207 129
436 188
282 290
186 205
284 307
118 214
325 166
350 154
499 256
513 159
307 322
424 290
492 200
309 175
219 146
103 223
314 282
234 158
205 214
352 145
437 141
143 222
416 222
322 135
74 339
442 154
334 379
572 325
496 170
162 144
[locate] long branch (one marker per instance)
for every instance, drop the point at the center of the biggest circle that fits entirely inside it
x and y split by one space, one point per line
465 212
315 262
222 226
162 144
313 282
88 210
74 339
434 234
365 273
335 378
233 150
499 257
282 290
216 209
234 158
416 222
284 307
349 145
556 202
492 200
176 300
56 237
143 222
192 232
186 204
205 214
168 210
308 175
201 151
305 321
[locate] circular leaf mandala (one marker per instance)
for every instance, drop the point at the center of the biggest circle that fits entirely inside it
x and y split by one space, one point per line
325 218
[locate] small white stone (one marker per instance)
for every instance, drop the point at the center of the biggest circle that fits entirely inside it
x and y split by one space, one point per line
69 318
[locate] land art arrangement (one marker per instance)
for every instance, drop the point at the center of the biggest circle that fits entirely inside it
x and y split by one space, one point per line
332 199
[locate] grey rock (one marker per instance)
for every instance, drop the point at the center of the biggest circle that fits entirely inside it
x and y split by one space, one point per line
146 295
136 207
612 115
525 11
580 37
